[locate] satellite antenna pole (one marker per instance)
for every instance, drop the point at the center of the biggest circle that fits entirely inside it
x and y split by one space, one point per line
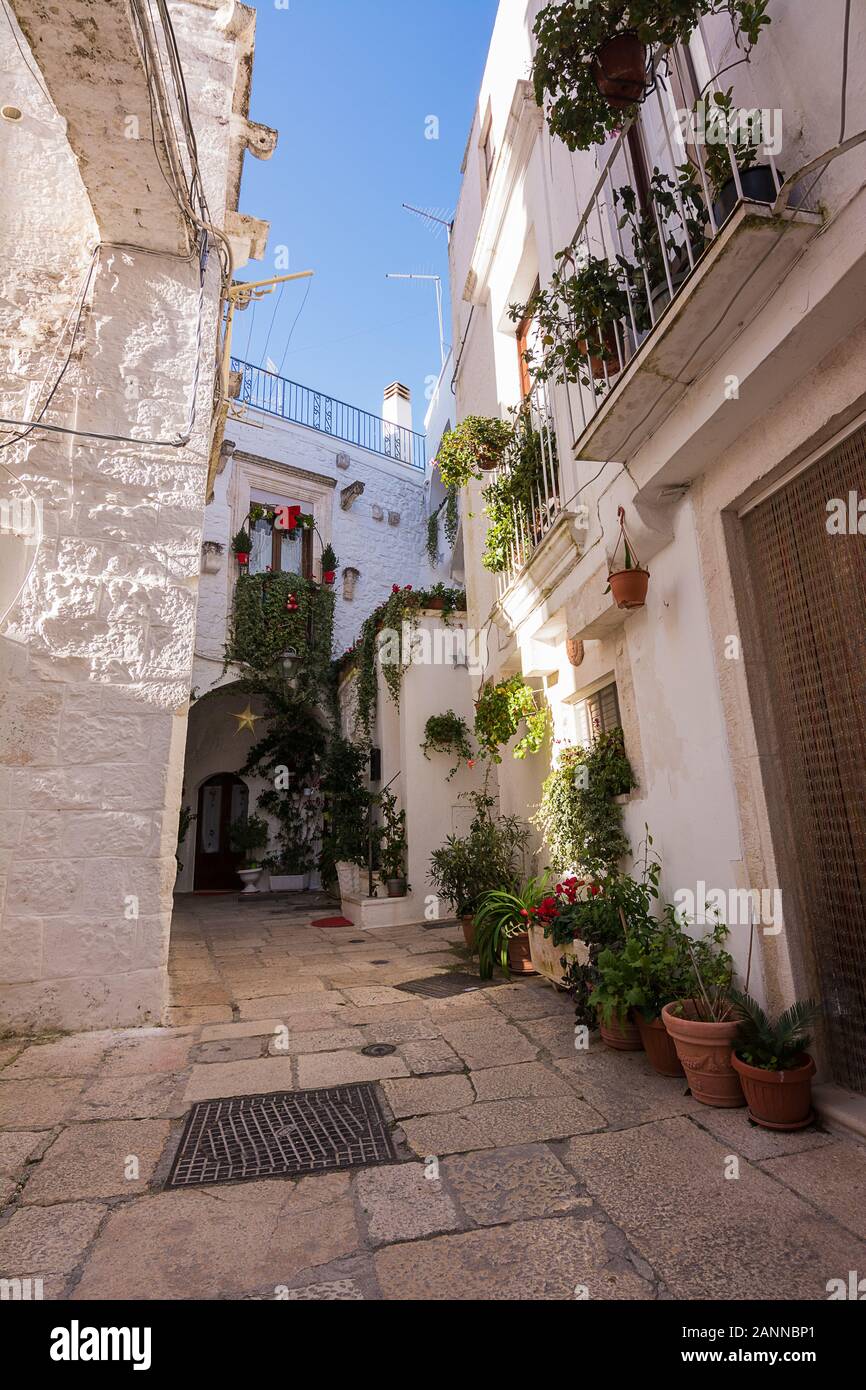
437 280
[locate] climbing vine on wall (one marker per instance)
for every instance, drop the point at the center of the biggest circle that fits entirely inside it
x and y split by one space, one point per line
273 613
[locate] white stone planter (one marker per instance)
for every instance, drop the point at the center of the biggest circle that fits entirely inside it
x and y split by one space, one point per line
290 883
211 560
349 879
250 879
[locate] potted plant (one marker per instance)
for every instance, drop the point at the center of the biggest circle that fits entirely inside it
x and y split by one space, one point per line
392 846
593 62
521 501
247 836
290 868
703 1026
502 924
724 139
477 445
628 581
578 316
242 547
329 566
345 841
773 1064
501 710
448 733
492 855
656 236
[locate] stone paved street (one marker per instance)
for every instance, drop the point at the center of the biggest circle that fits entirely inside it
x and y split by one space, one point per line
557 1170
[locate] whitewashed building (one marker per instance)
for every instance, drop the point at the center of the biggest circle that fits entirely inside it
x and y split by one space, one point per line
119 234
724 424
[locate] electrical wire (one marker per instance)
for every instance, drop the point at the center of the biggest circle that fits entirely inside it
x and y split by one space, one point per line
277 303
33 71
294 326
845 52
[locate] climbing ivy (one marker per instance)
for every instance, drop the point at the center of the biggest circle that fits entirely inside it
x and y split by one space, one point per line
578 816
500 712
275 612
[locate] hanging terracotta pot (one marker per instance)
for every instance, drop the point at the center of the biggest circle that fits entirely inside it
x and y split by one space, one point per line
778 1099
619 68
629 587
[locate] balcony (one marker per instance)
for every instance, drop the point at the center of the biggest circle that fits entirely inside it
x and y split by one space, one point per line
690 262
533 516
276 395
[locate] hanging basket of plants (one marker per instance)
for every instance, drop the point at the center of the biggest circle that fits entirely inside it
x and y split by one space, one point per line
628 580
478 445
620 70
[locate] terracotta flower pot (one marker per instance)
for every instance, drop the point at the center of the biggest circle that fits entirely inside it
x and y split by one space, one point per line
619 68
435 605
622 1037
468 924
520 956
778 1099
608 364
705 1052
629 587
659 1046
488 462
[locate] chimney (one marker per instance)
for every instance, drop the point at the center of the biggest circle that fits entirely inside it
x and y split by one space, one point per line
397 405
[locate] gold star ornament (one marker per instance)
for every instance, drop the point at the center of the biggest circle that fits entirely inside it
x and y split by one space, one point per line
247 720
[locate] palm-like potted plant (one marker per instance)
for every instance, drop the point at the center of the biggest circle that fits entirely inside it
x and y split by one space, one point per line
502 925
593 62
248 836
773 1064
491 856
329 566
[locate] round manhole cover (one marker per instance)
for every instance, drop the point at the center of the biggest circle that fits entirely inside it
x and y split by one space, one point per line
378 1050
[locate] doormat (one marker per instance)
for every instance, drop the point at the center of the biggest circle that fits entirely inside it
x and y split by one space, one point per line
283 1134
332 922
446 986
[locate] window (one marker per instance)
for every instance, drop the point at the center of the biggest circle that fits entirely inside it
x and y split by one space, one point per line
284 552
598 714
524 334
488 153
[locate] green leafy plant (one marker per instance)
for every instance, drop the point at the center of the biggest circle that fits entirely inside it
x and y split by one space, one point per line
578 316
242 544
773 1046
569 36
347 805
491 856
329 560
514 502
502 915
656 237
247 836
501 711
274 613
390 838
710 977
476 445
452 515
723 135
432 543
448 733
578 815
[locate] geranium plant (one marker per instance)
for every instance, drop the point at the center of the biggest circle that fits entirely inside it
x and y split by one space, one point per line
572 35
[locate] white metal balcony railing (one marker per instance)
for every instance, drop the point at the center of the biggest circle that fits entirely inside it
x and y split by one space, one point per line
663 240
532 522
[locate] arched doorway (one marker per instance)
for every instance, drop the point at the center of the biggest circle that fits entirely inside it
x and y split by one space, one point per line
221 801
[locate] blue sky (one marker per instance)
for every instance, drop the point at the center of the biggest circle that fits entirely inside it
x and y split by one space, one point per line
350 85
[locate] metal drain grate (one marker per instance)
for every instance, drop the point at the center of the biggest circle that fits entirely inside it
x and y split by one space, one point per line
444 986
282 1135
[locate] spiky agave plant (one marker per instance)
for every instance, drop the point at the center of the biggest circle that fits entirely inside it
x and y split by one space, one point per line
772 1046
503 915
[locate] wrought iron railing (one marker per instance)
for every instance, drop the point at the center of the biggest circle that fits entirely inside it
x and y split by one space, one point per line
276 395
655 239
531 522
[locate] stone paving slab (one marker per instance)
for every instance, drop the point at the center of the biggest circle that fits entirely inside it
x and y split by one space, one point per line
38 1104
254 1078
513 1184
431 1056
623 1087
340 1068
79 1055
95 1161
402 1203
524 1079
16 1148
831 1179
488 1042
225 1241
529 1260
47 1240
129 1098
709 1236
493 1124
431 1095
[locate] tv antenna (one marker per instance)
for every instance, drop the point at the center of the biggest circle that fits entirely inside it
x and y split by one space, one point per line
437 281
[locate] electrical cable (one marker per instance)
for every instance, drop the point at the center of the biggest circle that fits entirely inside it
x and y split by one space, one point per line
845 52
294 326
33 71
277 303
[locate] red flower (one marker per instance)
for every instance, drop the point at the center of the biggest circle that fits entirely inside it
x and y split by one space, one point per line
471 762
407 589
549 908
594 889
395 589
